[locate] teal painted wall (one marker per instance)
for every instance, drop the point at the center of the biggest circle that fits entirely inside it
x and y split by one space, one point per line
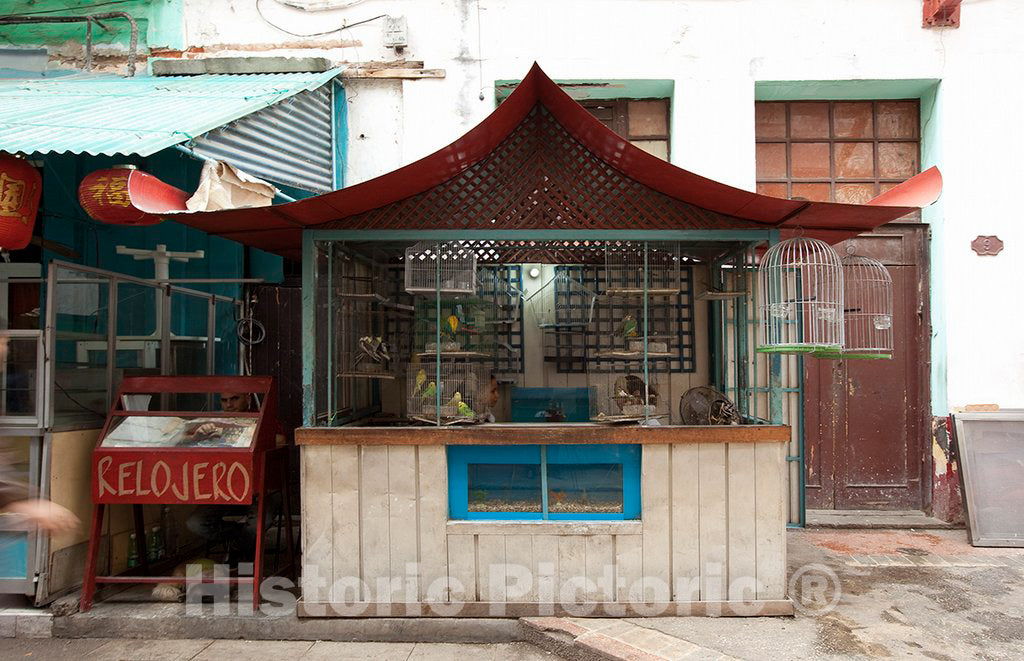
929 92
161 23
592 90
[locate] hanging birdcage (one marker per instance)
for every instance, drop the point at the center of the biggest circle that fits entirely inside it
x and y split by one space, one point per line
868 310
563 302
800 285
635 269
458 392
440 268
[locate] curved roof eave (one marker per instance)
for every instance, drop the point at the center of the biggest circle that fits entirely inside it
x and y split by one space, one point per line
278 228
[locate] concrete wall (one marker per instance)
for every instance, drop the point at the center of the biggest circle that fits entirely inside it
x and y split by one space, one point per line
716 53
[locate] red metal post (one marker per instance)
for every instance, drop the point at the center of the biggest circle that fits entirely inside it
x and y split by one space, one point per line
89 584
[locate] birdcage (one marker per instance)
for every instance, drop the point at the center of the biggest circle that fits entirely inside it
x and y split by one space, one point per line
563 302
629 396
800 285
635 269
447 269
868 310
358 330
449 392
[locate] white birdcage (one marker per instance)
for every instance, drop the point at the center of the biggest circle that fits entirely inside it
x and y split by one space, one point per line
800 285
632 269
563 302
868 308
440 268
460 394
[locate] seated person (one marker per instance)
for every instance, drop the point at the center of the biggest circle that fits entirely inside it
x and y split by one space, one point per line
234 525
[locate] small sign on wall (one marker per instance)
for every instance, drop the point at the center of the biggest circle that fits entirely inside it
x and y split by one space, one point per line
987 245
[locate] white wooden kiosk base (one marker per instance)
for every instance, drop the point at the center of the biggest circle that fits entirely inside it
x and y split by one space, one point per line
377 540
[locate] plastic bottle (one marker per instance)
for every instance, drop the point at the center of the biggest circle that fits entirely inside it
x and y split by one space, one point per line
133 553
156 545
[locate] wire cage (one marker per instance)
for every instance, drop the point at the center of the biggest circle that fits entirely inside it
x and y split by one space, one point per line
466 328
800 282
867 310
460 392
563 302
447 269
629 396
362 346
633 269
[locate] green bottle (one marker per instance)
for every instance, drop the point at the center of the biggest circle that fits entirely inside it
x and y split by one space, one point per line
133 552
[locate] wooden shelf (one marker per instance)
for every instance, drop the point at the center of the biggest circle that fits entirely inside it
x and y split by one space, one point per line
454 354
640 292
632 355
711 295
365 375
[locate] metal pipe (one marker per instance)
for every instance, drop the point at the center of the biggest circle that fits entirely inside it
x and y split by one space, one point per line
88 19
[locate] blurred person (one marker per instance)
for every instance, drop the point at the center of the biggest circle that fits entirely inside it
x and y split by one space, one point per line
14 494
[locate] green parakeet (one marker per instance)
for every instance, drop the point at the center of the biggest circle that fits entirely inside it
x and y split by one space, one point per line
629 327
464 410
430 391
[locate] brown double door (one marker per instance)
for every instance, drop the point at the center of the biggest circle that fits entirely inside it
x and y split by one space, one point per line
865 421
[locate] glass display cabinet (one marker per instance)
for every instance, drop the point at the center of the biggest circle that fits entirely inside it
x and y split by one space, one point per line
164 443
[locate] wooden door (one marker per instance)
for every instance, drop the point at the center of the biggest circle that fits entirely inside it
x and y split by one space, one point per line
865 421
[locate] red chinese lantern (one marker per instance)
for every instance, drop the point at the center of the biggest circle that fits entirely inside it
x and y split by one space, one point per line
123 195
20 187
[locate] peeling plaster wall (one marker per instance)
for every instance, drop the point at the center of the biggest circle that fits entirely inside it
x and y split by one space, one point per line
715 52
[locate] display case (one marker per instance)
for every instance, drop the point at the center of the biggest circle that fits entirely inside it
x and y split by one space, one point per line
163 443
148 453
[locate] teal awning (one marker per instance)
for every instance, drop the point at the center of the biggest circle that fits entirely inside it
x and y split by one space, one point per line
107 114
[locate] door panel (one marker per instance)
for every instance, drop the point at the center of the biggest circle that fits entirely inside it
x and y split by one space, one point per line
864 419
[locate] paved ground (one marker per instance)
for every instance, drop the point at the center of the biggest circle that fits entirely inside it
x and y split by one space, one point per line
861 593
903 594
104 649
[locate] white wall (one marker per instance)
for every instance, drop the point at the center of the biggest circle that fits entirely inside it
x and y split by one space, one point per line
715 51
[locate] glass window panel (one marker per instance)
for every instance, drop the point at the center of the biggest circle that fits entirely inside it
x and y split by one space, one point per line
853 119
505 488
810 160
771 160
855 193
813 192
775 190
172 431
897 159
898 119
20 376
808 120
648 118
854 160
657 148
584 488
769 120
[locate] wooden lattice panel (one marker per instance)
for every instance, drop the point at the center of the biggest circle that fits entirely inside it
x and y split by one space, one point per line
540 177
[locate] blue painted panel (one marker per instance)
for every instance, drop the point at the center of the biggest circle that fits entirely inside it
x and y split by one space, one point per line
626 456
13 554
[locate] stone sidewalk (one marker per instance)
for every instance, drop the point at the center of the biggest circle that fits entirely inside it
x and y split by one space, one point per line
859 593
102 649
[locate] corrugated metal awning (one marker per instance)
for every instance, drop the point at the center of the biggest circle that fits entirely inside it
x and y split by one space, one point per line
107 114
290 142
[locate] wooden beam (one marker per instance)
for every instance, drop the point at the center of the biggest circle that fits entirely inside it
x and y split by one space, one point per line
388 72
512 434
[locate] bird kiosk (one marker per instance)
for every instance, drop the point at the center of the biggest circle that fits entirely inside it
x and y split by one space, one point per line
163 443
554 403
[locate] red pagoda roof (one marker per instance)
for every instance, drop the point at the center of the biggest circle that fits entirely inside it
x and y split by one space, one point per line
542 161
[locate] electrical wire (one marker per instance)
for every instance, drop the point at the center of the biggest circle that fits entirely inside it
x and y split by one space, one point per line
345 26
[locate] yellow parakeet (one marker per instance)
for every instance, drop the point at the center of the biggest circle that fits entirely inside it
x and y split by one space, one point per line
421 379
453 323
